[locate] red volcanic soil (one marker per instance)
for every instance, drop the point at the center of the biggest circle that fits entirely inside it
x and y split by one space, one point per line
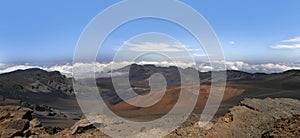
167 102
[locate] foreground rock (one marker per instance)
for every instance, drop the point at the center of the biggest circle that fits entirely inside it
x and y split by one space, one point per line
17 121
288 127
256 118
253 118
14 121
81 126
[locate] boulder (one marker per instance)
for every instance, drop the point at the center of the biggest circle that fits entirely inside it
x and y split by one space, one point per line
34 123
81 126
13 128
16 112
15 121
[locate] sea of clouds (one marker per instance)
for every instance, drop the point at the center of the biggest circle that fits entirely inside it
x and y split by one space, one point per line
107 69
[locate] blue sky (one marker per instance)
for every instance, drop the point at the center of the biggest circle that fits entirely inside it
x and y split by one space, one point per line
46 32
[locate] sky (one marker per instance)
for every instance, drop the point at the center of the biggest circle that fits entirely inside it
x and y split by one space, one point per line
253 32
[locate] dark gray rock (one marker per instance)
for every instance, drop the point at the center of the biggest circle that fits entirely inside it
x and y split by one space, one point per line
277 108
256 117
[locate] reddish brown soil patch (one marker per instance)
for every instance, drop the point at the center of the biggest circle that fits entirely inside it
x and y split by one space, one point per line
168 101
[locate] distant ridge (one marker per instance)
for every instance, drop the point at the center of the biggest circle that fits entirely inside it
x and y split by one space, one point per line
35 81
141 70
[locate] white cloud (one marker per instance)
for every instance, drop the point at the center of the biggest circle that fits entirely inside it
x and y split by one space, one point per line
287 46
265 68
232 42
199 55
154 47
293 43
274 67
205 68
2 65
296 39
194 50
103 69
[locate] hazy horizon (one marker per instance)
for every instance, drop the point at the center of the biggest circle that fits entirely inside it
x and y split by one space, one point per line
45 34
103 69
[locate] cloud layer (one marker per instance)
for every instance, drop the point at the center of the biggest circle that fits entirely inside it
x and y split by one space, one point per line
263 68
103 69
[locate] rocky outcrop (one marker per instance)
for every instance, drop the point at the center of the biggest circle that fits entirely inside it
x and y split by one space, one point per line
258 117
16 121
38 110
243 122
253 118
81 126
277 108
287 127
